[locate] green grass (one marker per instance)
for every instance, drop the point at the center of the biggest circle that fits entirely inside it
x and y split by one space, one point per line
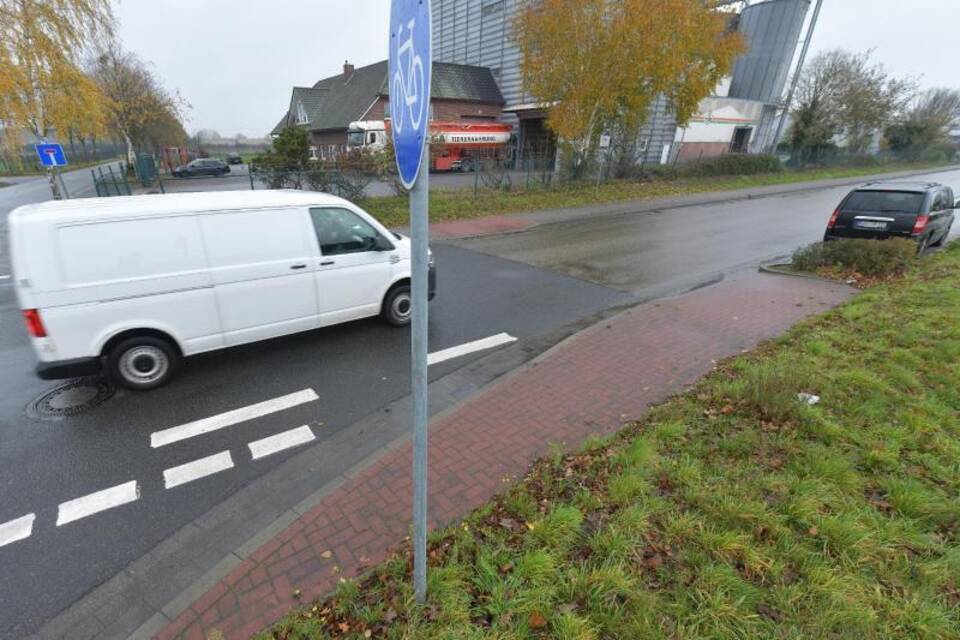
460 204
32 170
733 511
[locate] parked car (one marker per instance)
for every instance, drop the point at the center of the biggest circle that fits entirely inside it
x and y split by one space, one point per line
202 167
921 211
133 284
234 158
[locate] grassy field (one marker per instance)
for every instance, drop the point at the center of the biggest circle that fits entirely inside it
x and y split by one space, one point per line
74 165
460 204
733 511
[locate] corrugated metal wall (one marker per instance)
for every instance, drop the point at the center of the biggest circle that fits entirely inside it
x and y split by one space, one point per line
772 30
477 32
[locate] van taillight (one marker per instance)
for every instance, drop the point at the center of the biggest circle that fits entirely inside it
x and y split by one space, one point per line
833 219
34 323
920 224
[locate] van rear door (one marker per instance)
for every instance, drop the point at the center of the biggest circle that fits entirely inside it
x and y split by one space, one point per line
262 264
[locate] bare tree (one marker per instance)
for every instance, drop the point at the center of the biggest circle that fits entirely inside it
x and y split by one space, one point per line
844 96
139 107
927 123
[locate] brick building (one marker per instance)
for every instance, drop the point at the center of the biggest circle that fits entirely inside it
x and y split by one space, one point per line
460 93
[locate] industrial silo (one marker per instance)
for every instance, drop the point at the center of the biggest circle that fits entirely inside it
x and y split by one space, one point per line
772 30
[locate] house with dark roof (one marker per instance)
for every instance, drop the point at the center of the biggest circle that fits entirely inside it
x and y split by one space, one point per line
459 93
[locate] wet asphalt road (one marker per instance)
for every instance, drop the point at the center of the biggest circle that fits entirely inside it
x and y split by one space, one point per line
525 284
651 253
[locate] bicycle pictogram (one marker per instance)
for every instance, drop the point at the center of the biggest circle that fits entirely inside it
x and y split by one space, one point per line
407 86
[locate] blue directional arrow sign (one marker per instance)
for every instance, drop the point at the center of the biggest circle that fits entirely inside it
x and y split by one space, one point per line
51 155
409 76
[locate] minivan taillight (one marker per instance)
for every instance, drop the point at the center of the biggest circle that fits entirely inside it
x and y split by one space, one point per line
34 323
833 219
920 224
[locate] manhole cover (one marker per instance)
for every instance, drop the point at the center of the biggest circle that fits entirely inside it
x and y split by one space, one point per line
71 398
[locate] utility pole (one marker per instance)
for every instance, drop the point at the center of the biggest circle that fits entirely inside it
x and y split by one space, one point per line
796 77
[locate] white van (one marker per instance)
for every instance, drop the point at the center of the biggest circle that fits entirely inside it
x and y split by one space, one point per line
131 285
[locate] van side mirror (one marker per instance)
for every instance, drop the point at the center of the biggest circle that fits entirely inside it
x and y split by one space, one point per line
382 244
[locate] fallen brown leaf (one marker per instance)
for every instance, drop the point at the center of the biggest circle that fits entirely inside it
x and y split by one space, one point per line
536 620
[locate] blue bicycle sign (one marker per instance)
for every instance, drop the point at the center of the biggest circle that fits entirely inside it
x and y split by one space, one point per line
409 74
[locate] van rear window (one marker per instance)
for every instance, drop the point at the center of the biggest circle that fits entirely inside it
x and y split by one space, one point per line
884 202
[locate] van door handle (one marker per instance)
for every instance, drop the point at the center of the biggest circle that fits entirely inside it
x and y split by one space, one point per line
327 263
299 266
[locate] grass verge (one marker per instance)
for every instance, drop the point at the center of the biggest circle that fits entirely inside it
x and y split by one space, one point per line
460 204
733 511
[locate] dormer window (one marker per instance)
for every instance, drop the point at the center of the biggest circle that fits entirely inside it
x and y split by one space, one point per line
301 114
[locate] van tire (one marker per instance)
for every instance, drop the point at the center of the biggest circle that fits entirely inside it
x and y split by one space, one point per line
398 306
142 363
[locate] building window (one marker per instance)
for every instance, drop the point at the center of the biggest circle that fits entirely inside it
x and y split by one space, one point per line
491 7
301 114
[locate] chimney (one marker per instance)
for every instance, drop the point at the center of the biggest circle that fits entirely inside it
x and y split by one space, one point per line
347 70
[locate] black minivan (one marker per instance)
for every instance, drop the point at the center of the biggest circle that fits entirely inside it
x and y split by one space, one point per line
922 211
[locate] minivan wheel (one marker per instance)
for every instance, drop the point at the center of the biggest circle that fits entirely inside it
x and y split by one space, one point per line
398 306
923 245
143 363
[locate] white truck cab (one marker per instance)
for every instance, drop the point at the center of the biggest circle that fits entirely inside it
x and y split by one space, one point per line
369 135
131 285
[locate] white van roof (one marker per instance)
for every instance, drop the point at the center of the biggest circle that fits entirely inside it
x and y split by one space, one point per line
169 204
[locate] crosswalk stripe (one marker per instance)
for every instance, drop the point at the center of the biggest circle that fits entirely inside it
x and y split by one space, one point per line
470 347
230 418
281 441
176 476
18 529
93 503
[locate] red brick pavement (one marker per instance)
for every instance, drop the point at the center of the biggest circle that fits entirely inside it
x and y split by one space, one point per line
589 384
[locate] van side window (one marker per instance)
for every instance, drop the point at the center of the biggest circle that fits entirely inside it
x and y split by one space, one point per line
340 231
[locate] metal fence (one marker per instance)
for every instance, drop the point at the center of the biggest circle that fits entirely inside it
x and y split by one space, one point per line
110 181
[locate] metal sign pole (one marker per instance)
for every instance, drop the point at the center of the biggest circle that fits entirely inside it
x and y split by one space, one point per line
409 75
419 236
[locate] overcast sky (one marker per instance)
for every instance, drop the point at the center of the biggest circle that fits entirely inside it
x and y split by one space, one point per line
235 61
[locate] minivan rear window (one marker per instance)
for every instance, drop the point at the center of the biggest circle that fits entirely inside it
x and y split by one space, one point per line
884 202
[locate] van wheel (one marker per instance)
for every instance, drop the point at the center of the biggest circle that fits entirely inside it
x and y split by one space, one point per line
398 306
143 363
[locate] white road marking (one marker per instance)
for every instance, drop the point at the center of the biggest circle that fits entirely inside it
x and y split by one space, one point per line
281 441
16 529
470 347
176 476
230 418
97 502
5 277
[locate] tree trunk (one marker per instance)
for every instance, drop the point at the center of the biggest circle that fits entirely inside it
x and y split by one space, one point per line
131 154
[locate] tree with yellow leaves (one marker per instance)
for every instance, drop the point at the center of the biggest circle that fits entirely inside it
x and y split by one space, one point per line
594 63
41 86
